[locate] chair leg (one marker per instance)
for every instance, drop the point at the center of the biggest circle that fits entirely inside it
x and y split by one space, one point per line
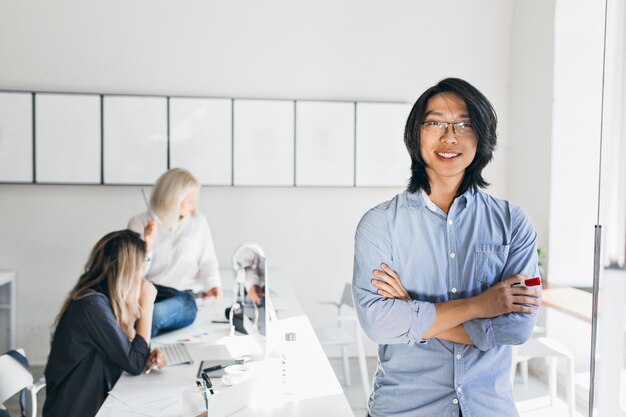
362 363
523 365
512 374
346 365
571 391
514 362
30 404
552 380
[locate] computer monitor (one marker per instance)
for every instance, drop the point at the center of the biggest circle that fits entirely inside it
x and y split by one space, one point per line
251 309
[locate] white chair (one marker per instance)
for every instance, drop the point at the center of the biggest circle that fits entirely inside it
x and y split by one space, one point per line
13 378
547 347
344 334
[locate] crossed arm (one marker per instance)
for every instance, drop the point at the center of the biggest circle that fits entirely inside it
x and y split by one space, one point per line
502 298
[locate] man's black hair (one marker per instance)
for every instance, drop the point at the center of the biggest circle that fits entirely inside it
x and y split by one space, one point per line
484 121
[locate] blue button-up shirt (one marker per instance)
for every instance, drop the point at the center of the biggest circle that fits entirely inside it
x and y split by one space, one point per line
441 257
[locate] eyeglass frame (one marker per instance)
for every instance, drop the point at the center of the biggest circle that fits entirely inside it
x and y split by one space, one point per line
454 126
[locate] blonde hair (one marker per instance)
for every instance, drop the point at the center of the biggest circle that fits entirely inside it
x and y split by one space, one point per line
169 191
114 268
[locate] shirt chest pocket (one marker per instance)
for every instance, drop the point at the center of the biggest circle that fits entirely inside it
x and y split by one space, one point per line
489 262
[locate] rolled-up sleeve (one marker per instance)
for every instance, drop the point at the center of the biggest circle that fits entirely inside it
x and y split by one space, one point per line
384 321
513 328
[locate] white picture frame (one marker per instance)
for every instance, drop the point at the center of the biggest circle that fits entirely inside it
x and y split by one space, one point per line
16 137
263 138
201 138
135 139
381 156
325 143
68 138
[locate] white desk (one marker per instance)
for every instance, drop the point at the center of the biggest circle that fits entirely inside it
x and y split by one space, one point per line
8 278
578 303
316 390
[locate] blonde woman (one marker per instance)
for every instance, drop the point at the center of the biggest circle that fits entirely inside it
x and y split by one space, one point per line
102 329
181 251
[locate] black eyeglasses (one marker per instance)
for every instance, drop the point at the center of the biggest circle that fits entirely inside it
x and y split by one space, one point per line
440 128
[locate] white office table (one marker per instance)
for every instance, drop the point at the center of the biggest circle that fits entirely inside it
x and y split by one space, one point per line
315 389
8 278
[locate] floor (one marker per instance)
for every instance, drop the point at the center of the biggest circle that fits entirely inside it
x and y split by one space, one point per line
532 398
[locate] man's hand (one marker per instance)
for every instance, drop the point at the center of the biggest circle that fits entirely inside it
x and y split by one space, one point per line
503 298
255 293
149 234
389 284
214 292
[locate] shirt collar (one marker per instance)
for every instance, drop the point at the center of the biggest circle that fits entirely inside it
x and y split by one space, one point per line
420 198
468 196
428 202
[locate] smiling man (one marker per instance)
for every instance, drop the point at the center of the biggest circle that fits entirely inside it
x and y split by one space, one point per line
435 268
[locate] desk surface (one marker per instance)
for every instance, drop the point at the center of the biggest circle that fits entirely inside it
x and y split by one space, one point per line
316 390
572 301
569 300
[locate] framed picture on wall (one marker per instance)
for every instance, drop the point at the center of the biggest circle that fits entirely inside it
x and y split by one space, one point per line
135 139
67 128
263 142
16 137
324 143
381 157
201 138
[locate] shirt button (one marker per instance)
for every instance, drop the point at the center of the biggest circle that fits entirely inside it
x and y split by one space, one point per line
455 401
459 389
454 290
458 356
450 222
452 255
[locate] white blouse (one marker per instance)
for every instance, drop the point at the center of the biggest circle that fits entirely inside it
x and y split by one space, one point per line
183 257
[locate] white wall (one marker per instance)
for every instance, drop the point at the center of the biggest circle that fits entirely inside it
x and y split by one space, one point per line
350 50
530 128
575 140
272 49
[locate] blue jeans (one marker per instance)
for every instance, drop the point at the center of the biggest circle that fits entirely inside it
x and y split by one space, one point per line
173 309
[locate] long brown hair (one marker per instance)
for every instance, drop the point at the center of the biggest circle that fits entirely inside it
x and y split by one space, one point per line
113 269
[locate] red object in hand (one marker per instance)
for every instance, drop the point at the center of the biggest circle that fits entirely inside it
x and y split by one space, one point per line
529 282
532 282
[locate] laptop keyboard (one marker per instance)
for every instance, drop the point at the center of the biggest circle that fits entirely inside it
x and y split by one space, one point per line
176 353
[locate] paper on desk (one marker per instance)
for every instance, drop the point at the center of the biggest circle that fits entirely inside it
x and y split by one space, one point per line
164 407
151 407
189 337
198 333
144 398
